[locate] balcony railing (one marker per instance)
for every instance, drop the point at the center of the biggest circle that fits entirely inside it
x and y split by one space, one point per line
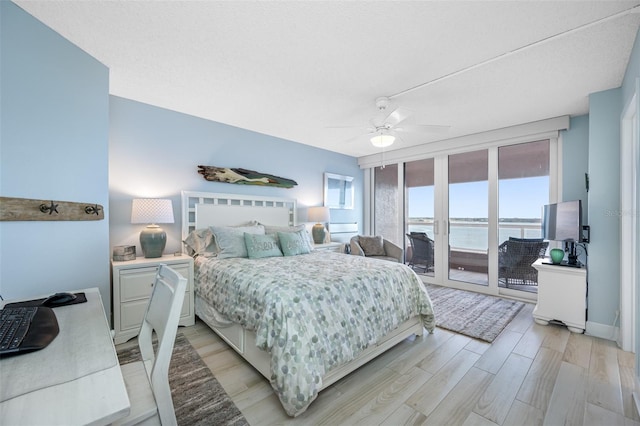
474 235
468 242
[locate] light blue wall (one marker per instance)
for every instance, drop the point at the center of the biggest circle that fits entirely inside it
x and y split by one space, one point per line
64 138
54 146
604 203
154 152
575 163
603 159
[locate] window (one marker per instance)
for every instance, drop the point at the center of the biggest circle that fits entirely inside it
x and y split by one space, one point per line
468 202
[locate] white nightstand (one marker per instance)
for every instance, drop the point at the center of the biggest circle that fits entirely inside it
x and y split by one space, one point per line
332 246
562 295
131 286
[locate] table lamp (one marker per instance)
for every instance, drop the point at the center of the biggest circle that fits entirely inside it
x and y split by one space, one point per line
152 211
319 215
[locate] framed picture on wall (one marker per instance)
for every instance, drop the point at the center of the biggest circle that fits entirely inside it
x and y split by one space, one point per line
338 191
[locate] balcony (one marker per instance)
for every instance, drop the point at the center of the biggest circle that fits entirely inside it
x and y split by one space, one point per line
468 258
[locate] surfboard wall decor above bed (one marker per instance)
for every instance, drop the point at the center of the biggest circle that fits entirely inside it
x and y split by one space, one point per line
243 177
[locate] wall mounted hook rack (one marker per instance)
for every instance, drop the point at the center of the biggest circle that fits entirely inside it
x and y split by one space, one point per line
25 209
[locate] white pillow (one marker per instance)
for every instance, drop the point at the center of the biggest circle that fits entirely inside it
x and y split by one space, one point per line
230 240
200 242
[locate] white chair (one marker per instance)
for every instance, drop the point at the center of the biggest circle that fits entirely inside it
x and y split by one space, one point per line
147 381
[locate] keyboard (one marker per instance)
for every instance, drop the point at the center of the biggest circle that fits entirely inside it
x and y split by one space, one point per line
14 324
26 328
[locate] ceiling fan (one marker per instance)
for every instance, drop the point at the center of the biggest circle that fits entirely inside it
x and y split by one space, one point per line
384 129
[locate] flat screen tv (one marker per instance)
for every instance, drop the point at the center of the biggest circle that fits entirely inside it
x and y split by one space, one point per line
562 221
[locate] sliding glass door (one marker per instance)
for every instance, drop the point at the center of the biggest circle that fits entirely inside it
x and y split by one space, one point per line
420 215
466 204
523 188
468 226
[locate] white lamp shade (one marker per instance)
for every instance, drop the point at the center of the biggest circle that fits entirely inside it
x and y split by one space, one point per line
319 214
383 140
151 210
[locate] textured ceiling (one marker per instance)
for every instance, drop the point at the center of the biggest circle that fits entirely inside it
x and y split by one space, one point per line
295 69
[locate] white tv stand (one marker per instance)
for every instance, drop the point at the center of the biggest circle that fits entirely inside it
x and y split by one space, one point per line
562 295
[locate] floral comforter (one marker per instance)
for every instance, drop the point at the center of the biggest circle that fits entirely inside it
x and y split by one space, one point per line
312 312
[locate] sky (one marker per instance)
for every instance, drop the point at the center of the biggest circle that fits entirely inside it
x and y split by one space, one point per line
521 198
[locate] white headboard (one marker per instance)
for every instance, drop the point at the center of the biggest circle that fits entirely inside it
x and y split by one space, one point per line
202 209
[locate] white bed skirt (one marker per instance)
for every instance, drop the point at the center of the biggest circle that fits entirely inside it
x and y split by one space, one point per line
244 342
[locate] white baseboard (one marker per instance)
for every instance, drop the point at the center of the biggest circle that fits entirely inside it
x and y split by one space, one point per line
602 331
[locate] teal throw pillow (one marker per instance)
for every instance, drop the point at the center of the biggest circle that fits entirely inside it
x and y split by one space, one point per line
259 246
270 229
294 243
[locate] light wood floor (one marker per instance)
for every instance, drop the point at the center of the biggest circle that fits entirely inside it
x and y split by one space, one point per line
530 375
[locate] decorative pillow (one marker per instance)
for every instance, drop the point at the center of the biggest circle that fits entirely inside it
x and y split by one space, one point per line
201 242
270 229
371 246
294 243
230 240
259 246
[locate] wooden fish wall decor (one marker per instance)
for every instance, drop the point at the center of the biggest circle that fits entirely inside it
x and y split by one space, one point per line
243 177
20 209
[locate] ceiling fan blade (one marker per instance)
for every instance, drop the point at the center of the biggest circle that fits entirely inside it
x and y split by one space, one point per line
360 137
397 115
345 127
423 128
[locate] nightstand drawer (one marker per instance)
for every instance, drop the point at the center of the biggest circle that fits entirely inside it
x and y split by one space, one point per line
138 283
132 313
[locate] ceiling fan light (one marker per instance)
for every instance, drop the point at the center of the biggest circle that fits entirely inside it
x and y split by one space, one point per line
383 140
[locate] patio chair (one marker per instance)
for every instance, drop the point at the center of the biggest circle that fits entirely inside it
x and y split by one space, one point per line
515 257
421 251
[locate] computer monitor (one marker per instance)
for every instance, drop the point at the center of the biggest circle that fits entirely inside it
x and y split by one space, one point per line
563 222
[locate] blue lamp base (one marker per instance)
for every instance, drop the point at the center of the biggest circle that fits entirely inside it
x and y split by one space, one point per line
318 233
153 240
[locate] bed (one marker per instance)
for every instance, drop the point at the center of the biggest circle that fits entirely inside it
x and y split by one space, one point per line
304 319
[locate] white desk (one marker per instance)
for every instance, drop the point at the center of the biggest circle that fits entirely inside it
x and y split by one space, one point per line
76 380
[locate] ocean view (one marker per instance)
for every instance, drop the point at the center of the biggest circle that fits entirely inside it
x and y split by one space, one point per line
474 235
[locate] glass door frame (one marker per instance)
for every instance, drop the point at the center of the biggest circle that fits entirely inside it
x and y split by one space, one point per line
442 228
441 211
